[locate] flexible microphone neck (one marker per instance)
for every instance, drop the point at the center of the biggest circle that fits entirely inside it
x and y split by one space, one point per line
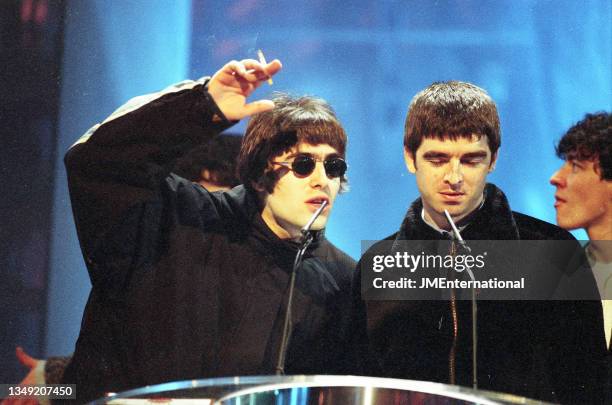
305 241
456 232
459 239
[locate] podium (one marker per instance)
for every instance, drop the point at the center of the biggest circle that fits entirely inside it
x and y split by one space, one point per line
308 390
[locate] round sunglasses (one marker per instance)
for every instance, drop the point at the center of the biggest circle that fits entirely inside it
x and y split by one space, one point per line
304 165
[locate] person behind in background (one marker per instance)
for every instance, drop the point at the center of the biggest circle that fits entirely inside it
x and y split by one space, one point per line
534 349
583 199
213 164
192 284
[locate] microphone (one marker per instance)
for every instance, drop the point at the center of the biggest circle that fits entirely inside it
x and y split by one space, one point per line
456 231
305 241
306 228
462 243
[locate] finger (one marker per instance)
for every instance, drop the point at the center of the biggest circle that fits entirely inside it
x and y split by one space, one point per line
248 69
274 67
259 106
236 70
253 64
254 77
234 67
262 71
24 358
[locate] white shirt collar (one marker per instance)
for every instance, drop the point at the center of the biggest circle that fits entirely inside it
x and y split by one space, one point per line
436 228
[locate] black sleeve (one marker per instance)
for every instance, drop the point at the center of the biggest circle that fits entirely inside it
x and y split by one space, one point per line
578 353
120 176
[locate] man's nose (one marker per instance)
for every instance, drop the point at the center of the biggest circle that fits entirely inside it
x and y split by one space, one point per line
557 179
318 178
454 175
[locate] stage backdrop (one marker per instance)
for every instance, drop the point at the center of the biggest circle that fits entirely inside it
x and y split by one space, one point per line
546 63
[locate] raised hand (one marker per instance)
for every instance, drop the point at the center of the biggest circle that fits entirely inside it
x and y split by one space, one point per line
235 81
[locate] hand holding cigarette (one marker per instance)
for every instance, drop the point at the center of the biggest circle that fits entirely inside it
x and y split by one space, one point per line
235 81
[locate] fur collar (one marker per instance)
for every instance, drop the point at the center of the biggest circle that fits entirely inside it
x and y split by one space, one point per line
494 220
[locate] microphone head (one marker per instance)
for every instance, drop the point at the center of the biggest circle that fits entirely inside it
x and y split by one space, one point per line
453 226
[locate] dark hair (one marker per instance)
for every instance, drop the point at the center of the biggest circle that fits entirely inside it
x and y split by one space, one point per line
271 133
218 156
590 139
452 110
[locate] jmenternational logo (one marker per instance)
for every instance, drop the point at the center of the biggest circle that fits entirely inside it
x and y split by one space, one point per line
494 270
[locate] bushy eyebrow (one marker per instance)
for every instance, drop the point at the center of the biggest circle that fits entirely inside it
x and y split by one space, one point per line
326 157
332 155
438 155
435 155
472 155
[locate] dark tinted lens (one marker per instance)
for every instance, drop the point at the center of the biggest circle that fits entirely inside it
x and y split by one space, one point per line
335 167
303 165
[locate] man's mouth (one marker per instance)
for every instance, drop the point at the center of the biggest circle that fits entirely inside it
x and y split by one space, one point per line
452 195
558 201
316 202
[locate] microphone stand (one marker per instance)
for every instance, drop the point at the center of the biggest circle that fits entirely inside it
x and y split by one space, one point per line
474 302
305 241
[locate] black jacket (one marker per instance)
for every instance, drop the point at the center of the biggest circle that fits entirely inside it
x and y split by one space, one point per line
187 283
548 350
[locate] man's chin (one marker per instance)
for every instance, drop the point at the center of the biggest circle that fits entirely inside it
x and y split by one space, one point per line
319 224
453 209
457 212
567 224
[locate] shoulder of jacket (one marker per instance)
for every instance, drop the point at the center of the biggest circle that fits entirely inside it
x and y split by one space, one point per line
533 228
379 245
338 255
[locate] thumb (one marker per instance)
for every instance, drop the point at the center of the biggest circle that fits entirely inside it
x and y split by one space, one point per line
25 358
257 107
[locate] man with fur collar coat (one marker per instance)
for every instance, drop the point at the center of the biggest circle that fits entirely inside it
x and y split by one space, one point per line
546 350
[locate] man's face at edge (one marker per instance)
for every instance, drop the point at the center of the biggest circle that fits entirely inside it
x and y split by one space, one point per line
295 198
582 198
451 174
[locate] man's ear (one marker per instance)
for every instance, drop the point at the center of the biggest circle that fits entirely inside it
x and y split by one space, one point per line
410 161
493 161
261 192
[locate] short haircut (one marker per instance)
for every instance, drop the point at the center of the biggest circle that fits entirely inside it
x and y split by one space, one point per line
452 110
274 132
218 156
590 139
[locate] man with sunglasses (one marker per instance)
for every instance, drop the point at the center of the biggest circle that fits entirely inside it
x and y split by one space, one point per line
188 283
546 350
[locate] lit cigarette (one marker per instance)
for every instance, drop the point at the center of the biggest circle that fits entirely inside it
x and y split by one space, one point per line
262 60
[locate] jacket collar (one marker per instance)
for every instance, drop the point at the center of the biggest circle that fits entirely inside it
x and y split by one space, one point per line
266 242
494 220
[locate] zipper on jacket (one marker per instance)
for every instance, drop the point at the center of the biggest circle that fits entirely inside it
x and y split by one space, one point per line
452 355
